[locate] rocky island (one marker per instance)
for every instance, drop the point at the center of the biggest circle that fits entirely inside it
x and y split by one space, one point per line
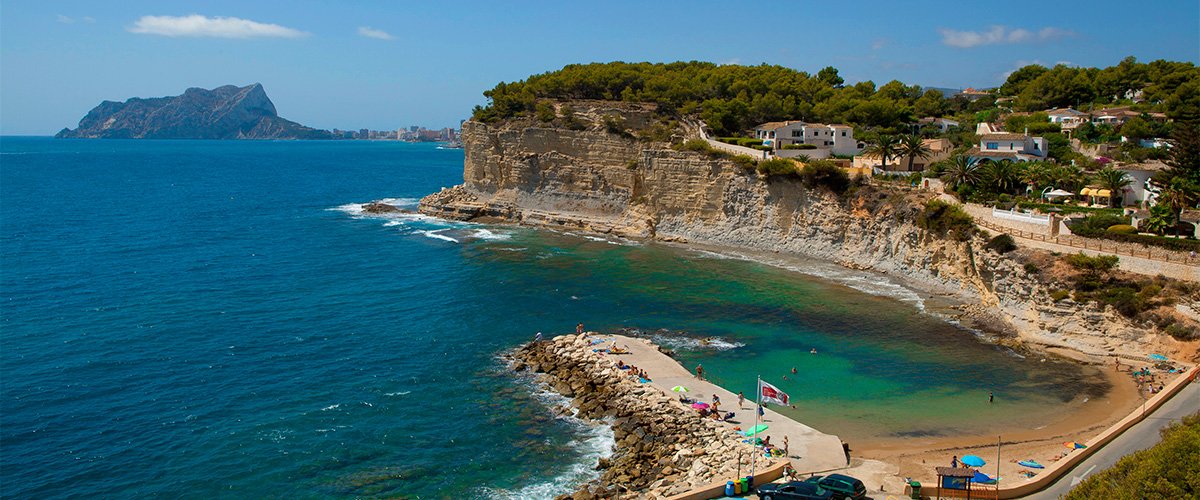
226 112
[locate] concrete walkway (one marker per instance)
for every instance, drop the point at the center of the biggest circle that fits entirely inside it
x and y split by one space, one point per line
809 450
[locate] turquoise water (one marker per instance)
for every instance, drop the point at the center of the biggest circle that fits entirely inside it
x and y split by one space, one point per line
197 319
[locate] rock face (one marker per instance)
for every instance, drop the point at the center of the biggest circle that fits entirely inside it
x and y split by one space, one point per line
663 447
226 112
593 179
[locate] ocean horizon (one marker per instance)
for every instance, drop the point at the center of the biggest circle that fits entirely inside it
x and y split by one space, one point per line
221 318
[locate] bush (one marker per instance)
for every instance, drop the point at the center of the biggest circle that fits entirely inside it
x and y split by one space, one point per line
745 162
825 174
1177 244
1094 226
749 142
1058 295
945 219
799 146
545 112
1121 229
615 125
1092 265
763 148
694 145
1001 244
777 166
1031 268
1167 470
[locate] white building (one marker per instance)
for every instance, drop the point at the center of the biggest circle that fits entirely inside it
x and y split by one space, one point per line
1067 118
836 139
942 124
1007 146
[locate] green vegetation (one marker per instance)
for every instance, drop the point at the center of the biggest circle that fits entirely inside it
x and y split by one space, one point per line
1093 266
825 174
1001 244
799 146
1171 469
1175 84
1106 225
945 219
778 167
1138 298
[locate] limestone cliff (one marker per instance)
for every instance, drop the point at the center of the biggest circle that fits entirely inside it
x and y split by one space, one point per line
597 177
226 112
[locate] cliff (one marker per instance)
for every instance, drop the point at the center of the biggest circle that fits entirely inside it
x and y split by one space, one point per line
226 112
597 177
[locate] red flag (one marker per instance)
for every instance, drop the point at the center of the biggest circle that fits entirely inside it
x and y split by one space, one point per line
772 394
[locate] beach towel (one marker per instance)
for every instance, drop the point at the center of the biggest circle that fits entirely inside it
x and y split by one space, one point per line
1031 463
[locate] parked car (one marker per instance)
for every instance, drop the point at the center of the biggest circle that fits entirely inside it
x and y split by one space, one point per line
794 490
842 486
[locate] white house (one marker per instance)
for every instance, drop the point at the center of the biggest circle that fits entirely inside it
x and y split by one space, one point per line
836 139
1137 192
1067 118
939 149
942 124
1008 146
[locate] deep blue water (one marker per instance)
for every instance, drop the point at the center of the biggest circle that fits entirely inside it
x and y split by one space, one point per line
217 318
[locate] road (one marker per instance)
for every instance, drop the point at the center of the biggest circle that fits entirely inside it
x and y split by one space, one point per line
1141 436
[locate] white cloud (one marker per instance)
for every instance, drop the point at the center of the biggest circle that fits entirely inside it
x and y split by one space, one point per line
197 25
374 33
65 20
88 19
999 35
879 43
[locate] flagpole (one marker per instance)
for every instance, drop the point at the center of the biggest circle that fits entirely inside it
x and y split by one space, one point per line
757 414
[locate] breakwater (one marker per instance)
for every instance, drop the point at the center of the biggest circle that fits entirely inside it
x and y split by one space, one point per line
663 447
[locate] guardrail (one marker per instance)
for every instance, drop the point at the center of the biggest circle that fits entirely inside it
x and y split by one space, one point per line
1043 220
1116 248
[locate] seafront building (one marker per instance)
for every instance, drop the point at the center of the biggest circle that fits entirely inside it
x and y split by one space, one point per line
825 140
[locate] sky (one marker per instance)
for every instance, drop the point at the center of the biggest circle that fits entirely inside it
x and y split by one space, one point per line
383 65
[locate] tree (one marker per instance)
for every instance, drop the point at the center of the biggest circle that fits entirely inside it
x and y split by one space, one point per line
1183 157
1178 194
931 103
1000 176
912 147
829 75
883 146
1115 181
962 170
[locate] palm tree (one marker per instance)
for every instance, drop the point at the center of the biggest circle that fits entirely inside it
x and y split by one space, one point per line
912 147
962 170
1178 194
1069 177
1115 181
885 146
1001 176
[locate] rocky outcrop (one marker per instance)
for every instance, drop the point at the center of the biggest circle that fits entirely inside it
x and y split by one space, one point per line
226 112
663 448
593 178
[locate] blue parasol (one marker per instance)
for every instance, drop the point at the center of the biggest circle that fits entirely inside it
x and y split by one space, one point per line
1157 357
972 460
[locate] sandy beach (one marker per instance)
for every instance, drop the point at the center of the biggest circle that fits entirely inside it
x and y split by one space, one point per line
884 463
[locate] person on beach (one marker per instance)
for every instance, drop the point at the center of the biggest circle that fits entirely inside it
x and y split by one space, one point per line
785 445
579 329
700 372
741 399
991 397
760 410
954 462
537 338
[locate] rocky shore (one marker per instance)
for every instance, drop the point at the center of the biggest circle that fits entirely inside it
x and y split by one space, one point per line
663 447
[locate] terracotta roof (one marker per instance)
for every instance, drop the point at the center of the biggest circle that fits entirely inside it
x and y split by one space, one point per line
1065 111
1003 136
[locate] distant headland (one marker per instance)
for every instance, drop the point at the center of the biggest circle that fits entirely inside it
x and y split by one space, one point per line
226 112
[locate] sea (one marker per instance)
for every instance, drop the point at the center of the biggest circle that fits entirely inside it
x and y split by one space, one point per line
220 319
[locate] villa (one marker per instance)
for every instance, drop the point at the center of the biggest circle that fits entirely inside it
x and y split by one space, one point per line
997 145
1067 118
943 124
827 140
939 149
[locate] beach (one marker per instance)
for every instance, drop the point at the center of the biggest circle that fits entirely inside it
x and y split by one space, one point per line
884 464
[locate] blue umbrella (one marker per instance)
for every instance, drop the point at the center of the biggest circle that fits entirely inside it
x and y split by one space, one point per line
972 460
1157 357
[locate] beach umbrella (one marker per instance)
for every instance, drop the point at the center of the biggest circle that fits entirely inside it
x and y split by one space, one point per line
755 430
1074 445
699 406
972 460
1032 464
1059 193
679 388
1157 357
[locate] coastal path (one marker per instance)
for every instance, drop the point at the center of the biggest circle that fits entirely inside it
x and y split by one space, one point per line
1139 437
809 449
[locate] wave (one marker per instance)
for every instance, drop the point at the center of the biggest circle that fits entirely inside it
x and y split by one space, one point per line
400 393
683 341
437 235
594 441
488 235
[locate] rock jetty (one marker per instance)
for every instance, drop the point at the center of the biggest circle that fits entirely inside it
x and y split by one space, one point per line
663 447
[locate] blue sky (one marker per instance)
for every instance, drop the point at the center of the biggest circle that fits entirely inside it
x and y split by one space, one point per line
382 65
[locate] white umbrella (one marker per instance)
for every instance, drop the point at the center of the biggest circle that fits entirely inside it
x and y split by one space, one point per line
679 388
1058 192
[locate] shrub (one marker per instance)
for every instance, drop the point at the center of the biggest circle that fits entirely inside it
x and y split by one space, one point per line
749 142
1031 268
631 164
745 162
1094 226
799 146
1167 470
694 145
777 166
1058 295
1001 244
1122 229
545 112
825 174
1092 265
945 219
615 125
763 148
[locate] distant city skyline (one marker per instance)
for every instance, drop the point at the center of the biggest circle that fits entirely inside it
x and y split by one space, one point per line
377 65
